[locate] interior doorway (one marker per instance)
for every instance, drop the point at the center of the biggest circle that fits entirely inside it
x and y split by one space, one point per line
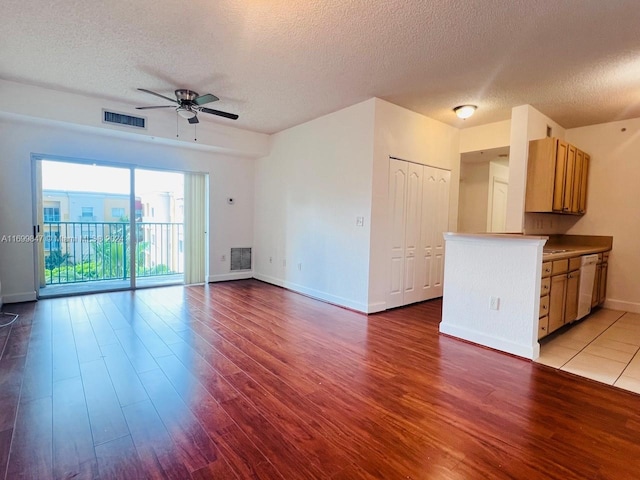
484 183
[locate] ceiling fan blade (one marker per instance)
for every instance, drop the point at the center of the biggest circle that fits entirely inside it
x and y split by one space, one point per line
206 98
159 106
232 116
158 95
194 119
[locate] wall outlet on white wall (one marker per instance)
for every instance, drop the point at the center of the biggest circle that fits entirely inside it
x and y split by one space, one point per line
359 221
223 258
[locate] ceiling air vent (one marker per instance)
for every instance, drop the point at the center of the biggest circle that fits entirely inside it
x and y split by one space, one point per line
123 119
241 259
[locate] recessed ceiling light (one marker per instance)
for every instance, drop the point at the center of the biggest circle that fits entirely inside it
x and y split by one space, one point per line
465 111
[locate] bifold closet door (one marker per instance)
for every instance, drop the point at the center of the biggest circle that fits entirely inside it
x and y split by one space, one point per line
435 223
398 173
418 213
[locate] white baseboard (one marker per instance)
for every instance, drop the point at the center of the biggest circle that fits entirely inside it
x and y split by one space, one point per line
377 307
310 292
622 305
526 351
19 297
223 277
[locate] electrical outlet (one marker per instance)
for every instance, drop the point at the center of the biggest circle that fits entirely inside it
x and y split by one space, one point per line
299 266
359 221
494 303
223 258
270 259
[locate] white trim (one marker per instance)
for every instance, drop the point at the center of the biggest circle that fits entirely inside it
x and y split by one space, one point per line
377 307
19 297
492 187
223 277
632 307
318 295
526 351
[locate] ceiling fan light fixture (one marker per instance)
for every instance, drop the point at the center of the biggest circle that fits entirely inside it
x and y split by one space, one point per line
186 113
465 111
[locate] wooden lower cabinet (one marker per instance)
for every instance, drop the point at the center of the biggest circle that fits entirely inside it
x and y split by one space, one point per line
560 292
557 301
573 291
602 284
543 326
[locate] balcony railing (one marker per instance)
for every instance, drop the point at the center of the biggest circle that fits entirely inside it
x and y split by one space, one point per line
77 252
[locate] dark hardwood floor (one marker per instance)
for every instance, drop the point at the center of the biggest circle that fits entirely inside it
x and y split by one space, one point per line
246 380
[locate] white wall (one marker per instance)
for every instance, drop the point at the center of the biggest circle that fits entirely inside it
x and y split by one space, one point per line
480 267
409 136
308 192
527 124
612 203
27 101
485 137
474 195
230 176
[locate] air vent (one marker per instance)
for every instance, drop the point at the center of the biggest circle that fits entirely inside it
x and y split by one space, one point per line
241 259
123 119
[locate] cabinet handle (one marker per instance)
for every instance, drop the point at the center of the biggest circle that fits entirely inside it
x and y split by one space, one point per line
544 307
543 328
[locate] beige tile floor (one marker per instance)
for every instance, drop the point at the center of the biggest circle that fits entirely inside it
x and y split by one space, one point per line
603 347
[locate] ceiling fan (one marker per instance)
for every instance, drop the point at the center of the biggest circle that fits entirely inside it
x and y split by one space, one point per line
189 104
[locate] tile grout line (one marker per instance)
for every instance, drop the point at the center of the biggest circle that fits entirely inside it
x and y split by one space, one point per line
591 341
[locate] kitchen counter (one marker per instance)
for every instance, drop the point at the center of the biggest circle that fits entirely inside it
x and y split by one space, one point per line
492 285
571 252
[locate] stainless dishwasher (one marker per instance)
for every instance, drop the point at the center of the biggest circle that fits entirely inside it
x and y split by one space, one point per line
587 277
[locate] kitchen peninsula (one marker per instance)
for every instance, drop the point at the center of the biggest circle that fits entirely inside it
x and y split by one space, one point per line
493 286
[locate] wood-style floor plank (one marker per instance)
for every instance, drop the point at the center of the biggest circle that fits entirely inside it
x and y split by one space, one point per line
73 452
244 380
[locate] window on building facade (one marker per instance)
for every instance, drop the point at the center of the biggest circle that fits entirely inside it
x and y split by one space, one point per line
117 212
87 213
51 214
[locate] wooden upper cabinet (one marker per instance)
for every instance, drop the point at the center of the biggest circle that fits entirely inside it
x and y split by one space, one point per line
556 177
560 175
569 179
582 203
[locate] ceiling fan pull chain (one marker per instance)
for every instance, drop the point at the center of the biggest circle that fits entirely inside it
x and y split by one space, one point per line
195 132
177 122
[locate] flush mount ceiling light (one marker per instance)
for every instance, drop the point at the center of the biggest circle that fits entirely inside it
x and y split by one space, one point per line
465 111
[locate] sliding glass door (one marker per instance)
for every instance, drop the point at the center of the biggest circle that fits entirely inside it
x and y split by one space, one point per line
103 227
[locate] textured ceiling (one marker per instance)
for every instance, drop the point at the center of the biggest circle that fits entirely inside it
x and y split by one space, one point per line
278 63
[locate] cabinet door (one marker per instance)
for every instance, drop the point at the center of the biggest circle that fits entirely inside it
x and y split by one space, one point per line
568 179
398 172
573 291
577 182
557 301
602 288
582 208
560 175
596 286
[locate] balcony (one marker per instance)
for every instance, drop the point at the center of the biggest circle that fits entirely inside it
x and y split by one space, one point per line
92 256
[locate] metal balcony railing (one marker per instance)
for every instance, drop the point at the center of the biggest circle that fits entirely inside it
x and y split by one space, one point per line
96 251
